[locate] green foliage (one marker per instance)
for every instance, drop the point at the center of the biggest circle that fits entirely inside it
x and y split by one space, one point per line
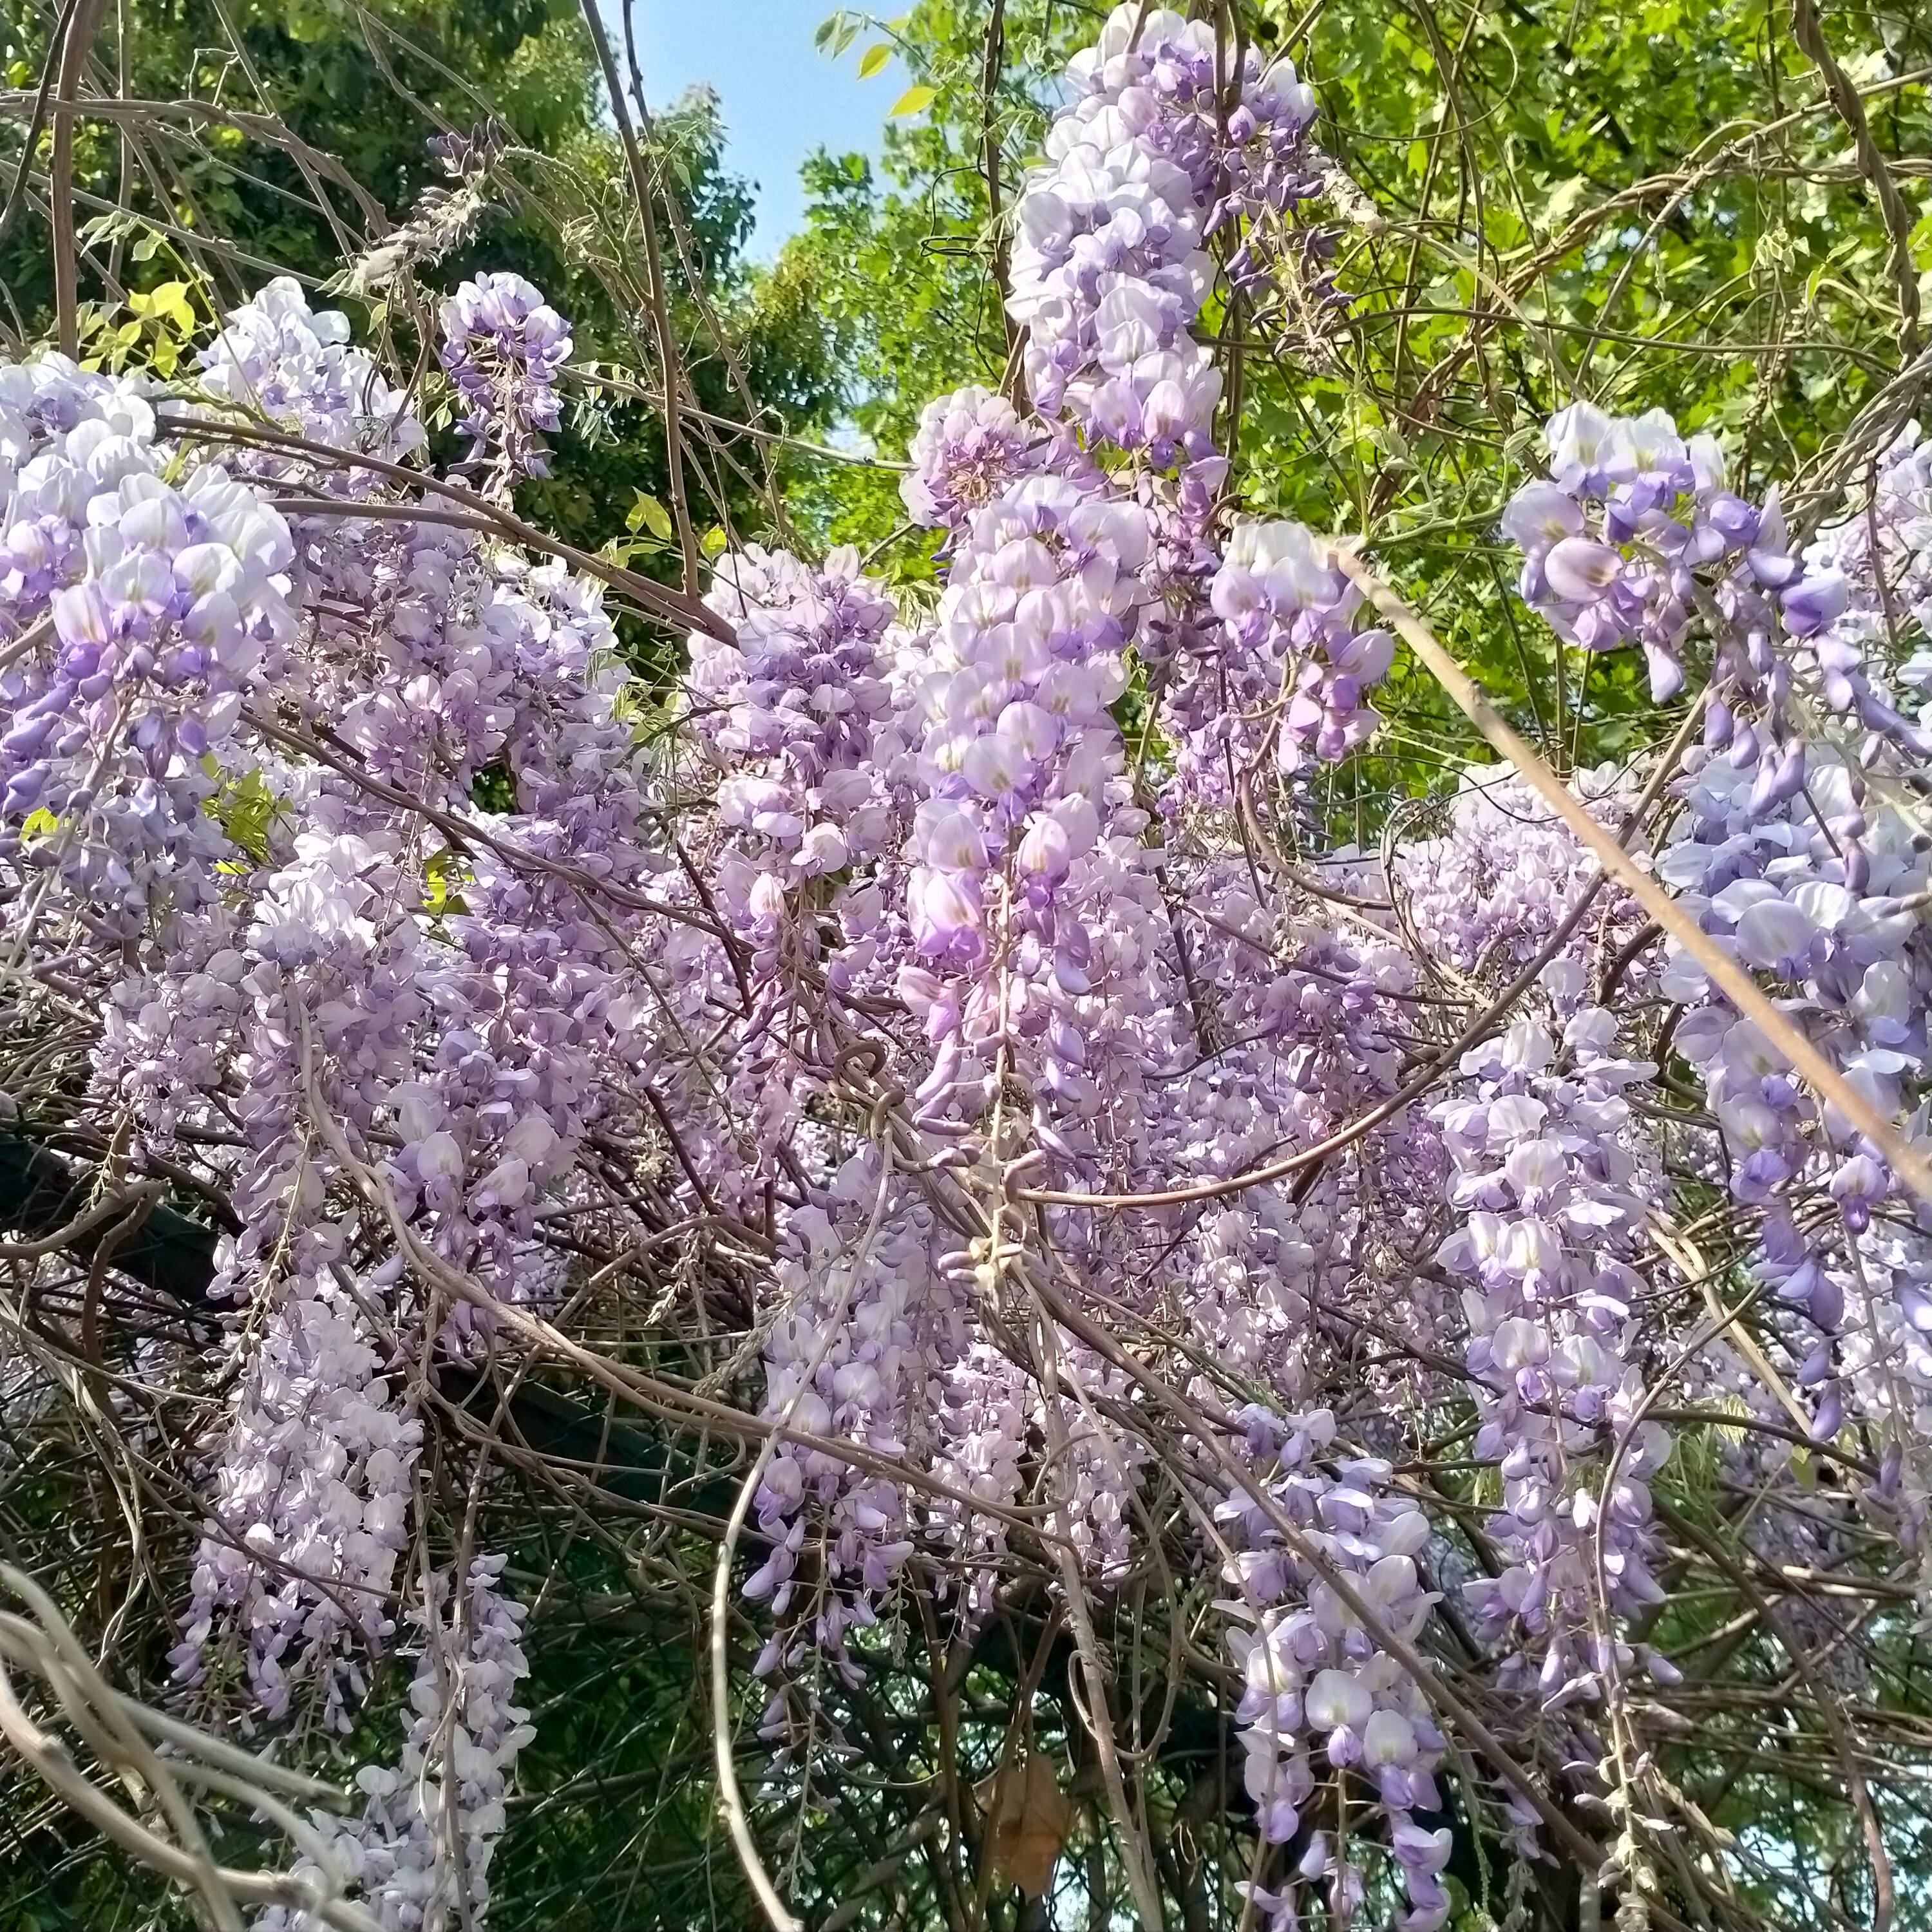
1649 205
246 810
208 199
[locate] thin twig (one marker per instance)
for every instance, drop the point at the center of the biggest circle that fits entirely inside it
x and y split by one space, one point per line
74 50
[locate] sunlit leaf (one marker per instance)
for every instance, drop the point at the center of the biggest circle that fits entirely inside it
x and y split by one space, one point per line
647 513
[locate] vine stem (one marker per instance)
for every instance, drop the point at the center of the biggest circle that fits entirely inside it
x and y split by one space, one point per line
730 1796
1736 983
1811 36
74 50
667 356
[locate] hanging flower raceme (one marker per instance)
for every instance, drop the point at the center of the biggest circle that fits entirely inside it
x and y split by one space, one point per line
1109 268
502 347
795 714
1869 631
1633 533
143 611
1285 681
1554 1181
276 358
420 1853
1814 894
1488 892
1317 1687
1018 749
310 1469
862 1319
310 1497
1786 857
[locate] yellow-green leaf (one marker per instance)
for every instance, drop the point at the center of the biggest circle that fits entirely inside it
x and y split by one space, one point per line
1565 198
875 58
40 823
245 810
914 100
443 876
647 513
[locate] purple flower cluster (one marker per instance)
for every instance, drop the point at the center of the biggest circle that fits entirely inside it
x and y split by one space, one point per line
986 1413
970 445
1285 681
1882 639
502 346
1121 358
304 992
859 1301
1786 855
420 1855
1544 1166
298 947
1486 893
1633 531
1314 1677
795 712
156 604
1109 267
276 358
310 1502
1018 746
1816 890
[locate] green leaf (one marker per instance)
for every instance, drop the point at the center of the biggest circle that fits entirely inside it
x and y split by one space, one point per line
444 875
875 58
836 33
311 20
245 810
914 100
1565 198
647 513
